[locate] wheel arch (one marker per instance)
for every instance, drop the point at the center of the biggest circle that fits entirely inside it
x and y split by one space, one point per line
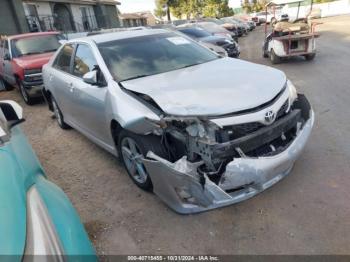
48 98
115 128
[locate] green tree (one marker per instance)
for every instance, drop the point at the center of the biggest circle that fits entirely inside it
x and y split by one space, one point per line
194 8
159 11
216 8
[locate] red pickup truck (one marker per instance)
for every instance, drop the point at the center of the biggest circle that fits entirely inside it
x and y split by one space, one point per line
21 60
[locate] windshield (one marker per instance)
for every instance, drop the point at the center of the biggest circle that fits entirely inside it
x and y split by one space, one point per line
152 54
195 32
35 45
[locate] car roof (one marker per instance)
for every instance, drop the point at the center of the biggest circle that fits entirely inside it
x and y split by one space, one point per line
20 36
107 37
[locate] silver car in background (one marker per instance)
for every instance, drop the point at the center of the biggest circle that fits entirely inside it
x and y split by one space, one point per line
199 130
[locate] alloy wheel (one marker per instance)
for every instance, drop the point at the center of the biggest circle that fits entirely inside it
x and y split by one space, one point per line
132 157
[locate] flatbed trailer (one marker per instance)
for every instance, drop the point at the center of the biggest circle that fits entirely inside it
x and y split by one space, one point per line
289 39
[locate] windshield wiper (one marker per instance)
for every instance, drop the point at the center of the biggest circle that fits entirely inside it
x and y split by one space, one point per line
135 77
50 50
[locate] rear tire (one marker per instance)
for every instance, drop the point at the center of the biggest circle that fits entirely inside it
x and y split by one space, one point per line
310 57
265 54
131 149
275 59
59 115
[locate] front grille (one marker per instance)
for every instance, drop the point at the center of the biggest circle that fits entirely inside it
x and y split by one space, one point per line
33 75
237 131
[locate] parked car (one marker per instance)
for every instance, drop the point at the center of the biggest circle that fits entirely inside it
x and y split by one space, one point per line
272 18
250 24
267 16
258 19
235 31
37 218
241 26
231 47
199 130
21 60
211 28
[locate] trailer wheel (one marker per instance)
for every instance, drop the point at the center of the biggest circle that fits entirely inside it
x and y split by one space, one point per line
275 59
265 54
310 57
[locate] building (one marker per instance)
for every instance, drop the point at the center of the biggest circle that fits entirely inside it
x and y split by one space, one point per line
137 19
133 19
18 16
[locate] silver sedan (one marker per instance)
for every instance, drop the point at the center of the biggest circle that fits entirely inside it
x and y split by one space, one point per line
199 130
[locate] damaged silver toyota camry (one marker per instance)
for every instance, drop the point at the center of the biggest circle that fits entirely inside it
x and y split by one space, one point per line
199 130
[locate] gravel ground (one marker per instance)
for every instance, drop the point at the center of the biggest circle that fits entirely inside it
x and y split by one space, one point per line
306 213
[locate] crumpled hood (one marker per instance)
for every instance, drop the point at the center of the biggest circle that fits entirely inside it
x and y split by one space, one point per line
218 87
33 61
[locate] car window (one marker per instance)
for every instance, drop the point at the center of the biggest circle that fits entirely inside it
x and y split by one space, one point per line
63 59
84 61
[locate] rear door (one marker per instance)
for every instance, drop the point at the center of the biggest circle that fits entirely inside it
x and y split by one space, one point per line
89 100
60 79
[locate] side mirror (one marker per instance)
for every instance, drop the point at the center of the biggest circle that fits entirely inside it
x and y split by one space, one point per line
12 112
90 77
7 56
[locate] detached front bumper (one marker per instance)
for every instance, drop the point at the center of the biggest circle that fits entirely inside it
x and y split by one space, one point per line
180 187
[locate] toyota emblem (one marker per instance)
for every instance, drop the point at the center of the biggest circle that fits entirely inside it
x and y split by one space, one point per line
270 116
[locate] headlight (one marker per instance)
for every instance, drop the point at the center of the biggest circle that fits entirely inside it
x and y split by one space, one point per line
42 238
292 92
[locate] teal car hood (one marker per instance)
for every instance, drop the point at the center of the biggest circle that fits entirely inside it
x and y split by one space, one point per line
19 170
12 207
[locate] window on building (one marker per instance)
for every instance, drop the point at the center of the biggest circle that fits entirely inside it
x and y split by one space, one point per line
63 59
84 61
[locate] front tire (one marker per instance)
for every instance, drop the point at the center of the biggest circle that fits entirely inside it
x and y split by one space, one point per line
132 148
59 115
5 85
26 97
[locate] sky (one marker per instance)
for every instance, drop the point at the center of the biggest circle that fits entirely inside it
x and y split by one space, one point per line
128 6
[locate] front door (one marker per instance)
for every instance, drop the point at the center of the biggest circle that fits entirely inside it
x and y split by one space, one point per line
89 100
